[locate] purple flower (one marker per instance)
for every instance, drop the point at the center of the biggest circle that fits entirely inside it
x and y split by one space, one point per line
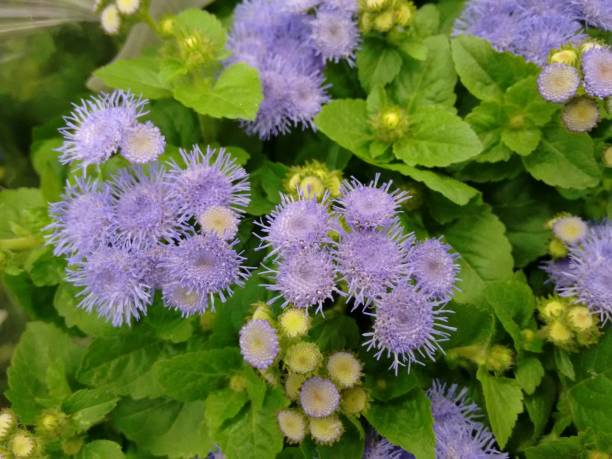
81 220
300 6
369 206
94 130
295 223
259 343
335 34
597 68
380 448
304 278
371 262
559 272
199 269
319 397
595 12
142 143
434 268
209 179
113 284
144 213
407 326
589 277
558 82
451 404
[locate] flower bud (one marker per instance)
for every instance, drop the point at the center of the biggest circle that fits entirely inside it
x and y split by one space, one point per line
390 124
344 369
559 334
552 308
292 424
262 311
303 357
580 318
565 56
72 446
581 114
607 156
354 400
22 444
51 423
499 358
293 383
557 249
237 383
384 22
404 12
294 323
326 431
207 320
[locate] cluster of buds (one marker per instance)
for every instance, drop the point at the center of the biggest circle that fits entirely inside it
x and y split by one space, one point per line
320 386
578 78
385 15
496 358
390 124
111 13
567 325
313 179
16 441
567 230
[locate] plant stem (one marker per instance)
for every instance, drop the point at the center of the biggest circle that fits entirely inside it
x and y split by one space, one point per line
21 243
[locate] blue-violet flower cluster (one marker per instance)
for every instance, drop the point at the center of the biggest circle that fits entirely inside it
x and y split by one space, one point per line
356 247
289 42
160 226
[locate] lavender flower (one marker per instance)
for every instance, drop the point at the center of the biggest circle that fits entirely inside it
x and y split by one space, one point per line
204 267
407 326
380 448
319 397
434 268
597 68
558 82
81 220
210 179
94 130
589 277
451 404
113 284
259 343
334 34
595 12
142 143
304 278
297 223
370 262
369 206
144 212
559 272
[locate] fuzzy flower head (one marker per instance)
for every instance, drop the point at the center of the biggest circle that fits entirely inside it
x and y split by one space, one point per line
293 384
354 400
304 278
144 214
570 230
294 322
369 206
371 262
334 34
327 430
319 397
95 129
110 19
205 267
595 12
303 357
558 82
380 448
112 284
407 326
221 221
454 440
258 343
82 219
22 444
597 69
589 272
128 7
209 179
142 143
451 404
8 421
297 223
434 268
292 424
581 114
344 369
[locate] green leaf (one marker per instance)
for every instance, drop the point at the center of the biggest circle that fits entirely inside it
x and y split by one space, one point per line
458 192
377 64
487 120
87 407
164 427
237 93
194 375
513 303
564 364
168 324
504 402
564 159
345 121
428 82
66 304
43 355
540 404
204 23
52 174
254 434
121 364
23 212
522 141
485 254
101 449
485 72
221 406
406 422
337 333
560 448
529 373
427 20
139 75
590 397
475 326
378 383
437 138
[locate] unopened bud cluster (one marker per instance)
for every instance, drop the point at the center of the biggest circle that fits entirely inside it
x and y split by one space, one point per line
385 15
313 179
111 13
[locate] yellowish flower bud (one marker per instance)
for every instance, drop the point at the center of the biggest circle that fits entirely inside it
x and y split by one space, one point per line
72 446
293 383
344 369
384 21
552 309
292 424
607 156
8 422
354 400
207 320
303 357
404 13
238 383
294 323
559 334
262 312
22 444
326 431
499 358
565 56
580 318
390 124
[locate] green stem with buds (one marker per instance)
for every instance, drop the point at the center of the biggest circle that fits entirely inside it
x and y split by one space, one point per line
21 243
